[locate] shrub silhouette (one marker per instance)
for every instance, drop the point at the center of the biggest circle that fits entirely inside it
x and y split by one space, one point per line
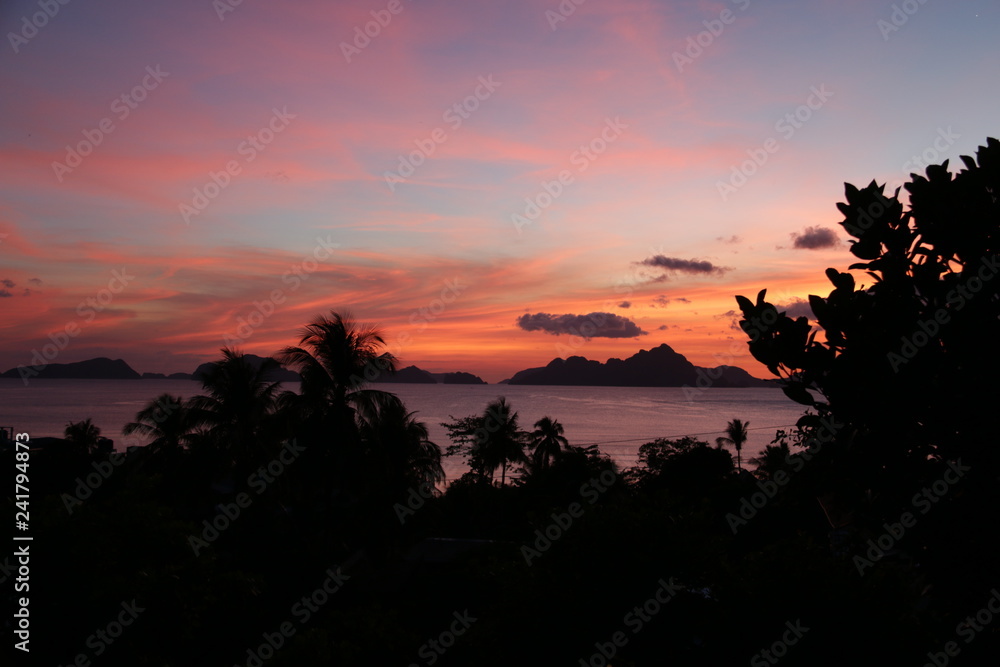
903 374
901 360
685 465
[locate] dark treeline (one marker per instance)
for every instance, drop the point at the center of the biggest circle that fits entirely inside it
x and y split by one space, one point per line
266 527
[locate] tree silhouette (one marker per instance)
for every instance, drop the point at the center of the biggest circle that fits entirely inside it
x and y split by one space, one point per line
165 421
775 457
85 434
336 357
736 435
902 372
547 442
489 441
685 464
504 441
400 446
238 411
900 360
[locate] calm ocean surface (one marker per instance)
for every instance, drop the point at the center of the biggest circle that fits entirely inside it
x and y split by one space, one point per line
619 419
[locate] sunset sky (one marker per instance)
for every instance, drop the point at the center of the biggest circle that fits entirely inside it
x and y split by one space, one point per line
187 166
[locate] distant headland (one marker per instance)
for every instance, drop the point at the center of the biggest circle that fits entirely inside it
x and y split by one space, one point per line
658 367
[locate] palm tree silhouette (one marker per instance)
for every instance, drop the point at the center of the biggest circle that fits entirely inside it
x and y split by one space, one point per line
165 421
336 357
399 445
503 442
547 442
84 434
736 435
771 460
238 414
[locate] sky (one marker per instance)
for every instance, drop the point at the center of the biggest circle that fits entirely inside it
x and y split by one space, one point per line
495 184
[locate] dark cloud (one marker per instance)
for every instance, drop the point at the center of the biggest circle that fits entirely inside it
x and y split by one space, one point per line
7 282
797 308
732 239
678 265
682 299
662 327
5 293
34 281
625 304
814 238
592 325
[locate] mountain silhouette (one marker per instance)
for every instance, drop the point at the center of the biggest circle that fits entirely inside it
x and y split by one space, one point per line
458 378
408 375
414 375
101 368
278 375
658 367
